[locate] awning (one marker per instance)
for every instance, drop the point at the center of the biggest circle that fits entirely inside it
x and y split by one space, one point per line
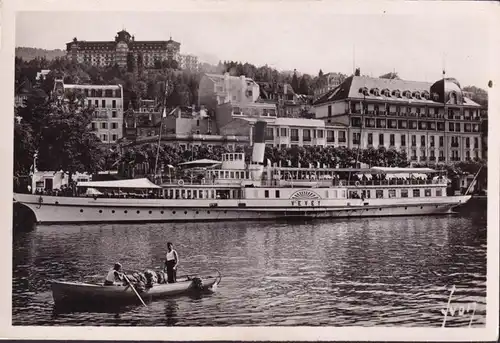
92 191
204 161
131 183
395 170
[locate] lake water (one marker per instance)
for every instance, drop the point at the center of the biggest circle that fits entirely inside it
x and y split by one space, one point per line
364 272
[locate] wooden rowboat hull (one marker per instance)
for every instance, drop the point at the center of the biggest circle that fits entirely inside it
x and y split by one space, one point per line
67 293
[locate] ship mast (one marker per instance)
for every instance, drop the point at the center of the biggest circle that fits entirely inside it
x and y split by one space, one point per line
164 114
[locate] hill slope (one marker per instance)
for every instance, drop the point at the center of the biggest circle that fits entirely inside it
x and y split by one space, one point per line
28 54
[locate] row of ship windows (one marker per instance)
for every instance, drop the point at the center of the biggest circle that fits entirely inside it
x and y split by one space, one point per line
150 212
378 193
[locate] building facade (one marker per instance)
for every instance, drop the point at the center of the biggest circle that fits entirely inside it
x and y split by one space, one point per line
124 49
327 82
239 119
215 89
431 122
288 103
106 101
188 62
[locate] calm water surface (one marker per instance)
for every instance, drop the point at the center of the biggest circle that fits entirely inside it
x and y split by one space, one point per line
363 272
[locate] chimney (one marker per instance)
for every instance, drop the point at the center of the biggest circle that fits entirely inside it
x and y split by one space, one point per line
259 148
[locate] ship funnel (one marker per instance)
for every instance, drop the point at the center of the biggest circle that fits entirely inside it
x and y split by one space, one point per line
259 148
259 145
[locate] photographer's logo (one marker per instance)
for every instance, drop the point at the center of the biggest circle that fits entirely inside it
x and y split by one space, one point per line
458 310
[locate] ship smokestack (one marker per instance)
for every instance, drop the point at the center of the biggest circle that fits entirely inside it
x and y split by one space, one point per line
259 145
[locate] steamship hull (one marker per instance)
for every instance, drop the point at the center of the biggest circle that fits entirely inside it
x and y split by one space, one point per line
54 210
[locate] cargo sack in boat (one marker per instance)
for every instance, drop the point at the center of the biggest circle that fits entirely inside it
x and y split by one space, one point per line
197 283
151 278
161 277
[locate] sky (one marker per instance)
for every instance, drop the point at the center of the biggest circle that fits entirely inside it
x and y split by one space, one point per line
417 45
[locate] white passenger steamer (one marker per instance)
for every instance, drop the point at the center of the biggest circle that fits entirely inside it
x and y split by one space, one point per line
236 191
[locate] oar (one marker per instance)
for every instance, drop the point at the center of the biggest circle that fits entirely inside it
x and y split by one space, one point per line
133 288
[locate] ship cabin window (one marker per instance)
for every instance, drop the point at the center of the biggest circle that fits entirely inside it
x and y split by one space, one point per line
223 194
427 192
404 193
226 174
189 194
183 194
416 193
177 194
379 193
231 157
335 194
277 193
392 193
343 194
366 194
266 194
439 192
232 175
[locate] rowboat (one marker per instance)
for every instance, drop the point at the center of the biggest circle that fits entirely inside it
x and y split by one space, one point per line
67 293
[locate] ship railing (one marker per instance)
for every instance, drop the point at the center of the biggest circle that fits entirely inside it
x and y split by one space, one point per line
344 183
393 182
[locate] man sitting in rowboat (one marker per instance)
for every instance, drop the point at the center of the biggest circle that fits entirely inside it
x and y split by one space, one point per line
114 275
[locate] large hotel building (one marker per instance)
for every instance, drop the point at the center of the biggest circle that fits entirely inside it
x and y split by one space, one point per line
125 47
432 122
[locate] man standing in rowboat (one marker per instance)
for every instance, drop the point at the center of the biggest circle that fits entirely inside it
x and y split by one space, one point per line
114 275
171 262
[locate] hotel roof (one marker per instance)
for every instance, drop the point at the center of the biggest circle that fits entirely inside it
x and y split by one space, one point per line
353 87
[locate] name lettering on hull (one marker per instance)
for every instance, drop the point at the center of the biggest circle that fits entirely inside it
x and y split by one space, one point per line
300 203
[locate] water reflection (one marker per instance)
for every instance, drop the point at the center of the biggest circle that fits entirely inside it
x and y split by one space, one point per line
377 271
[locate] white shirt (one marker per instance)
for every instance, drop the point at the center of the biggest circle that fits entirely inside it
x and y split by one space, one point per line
111 276
170 255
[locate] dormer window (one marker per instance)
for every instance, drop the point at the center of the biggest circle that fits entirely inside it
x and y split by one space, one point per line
363 90
386 93
375 91
416 95
426 95
407 94
396 93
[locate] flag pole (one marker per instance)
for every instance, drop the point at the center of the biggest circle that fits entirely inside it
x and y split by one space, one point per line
164 114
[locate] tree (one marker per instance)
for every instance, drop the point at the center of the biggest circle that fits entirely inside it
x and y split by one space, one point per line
391 76
24 148
320 74
478 95
357 72
295 81
304 84
67 143
130 63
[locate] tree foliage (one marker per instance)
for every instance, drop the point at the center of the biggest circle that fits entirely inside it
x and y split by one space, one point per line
58 133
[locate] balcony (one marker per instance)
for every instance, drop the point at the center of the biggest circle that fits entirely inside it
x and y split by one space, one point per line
269 138
432 158
294 138
423 158
441 158
330 140
306 139
455 145
356 141
342 140
414 158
